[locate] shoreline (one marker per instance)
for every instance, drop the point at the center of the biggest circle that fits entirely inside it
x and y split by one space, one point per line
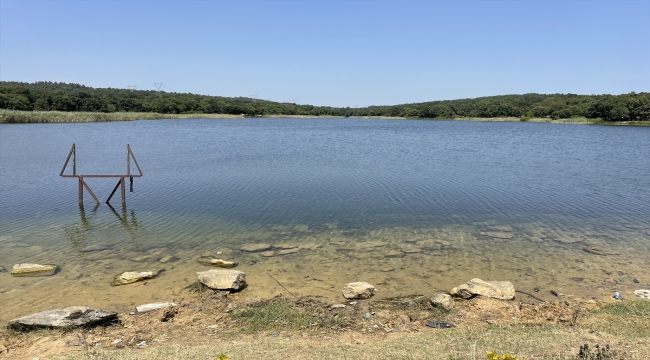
210 324
30 117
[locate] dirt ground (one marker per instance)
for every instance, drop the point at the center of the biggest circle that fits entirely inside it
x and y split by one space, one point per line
223 321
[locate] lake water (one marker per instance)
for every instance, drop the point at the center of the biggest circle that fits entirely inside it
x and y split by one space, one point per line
449 200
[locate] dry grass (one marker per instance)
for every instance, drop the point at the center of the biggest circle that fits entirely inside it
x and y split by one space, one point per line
306 329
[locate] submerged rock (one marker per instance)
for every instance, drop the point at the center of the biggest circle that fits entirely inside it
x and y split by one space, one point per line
497 234
288 251
131 277
284 246
358 290
216 262
68 317
642 293
503 290
600 251
33 270
166 259
501 228
568 240
255 247
444 301
2 269
222 279
267 253
410 249
394 254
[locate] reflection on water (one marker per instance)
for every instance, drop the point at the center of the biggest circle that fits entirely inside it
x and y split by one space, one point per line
411 207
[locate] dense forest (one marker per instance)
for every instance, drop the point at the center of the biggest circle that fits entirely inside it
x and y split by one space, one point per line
52 96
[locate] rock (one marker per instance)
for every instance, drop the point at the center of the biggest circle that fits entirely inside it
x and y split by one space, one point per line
437 324
255 247
2 269
221 279
503 290
284 246
93 248
141 309
387 269
288 251
600 251
394 254
410 249
166 259
58 318
142 258
497 234
642 293
444 301
568 240
33 270
358 290
216 262
130 277
500 228
267 253
444 243
337 306
74 276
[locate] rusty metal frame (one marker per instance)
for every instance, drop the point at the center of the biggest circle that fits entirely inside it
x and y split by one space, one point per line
121 182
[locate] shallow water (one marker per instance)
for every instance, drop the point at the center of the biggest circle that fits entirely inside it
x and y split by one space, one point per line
501 201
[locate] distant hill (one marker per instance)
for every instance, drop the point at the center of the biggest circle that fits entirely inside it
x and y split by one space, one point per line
47 96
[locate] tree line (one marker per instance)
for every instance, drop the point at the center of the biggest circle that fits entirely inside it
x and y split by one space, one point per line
54 96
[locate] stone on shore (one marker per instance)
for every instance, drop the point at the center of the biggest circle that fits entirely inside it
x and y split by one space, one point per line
255 247
444 301
141 309
503 290
358 290
131 277
68 317
216 262
33 270
222 279
642 293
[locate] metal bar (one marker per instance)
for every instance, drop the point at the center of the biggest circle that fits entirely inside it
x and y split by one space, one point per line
74 160
128 159
89 191
81 192
136 163
113 192
101 176
122 188
67 160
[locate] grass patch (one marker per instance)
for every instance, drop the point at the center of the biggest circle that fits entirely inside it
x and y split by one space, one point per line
24 117
283 315
629 319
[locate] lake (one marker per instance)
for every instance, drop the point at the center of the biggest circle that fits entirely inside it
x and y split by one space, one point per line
447 201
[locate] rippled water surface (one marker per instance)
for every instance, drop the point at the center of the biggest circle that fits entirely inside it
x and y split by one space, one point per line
445 200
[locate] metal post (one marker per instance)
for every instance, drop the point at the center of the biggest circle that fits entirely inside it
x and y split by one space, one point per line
122 188
81 191
128 160
74 160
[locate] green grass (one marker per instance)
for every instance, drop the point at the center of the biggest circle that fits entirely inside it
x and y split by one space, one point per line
282 315
22 117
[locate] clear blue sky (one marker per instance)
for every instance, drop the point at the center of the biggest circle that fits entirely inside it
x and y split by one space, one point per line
340 53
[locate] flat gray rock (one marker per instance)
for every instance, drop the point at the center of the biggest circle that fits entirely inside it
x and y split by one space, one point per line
145 308
255 247
33 270
358 290
222 279
444 301
503 290
130 277
72 316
